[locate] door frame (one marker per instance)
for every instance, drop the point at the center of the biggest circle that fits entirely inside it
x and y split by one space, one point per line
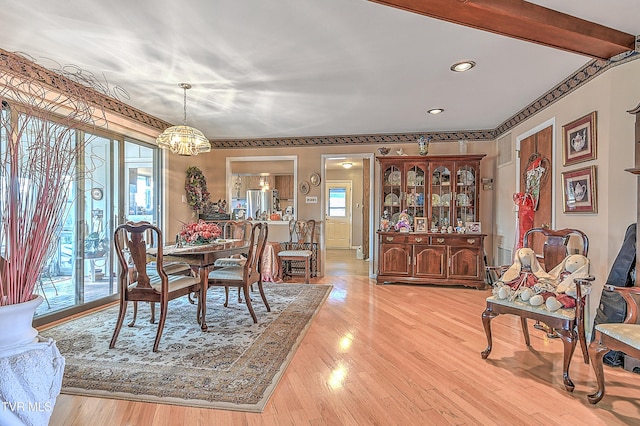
362 155
550 122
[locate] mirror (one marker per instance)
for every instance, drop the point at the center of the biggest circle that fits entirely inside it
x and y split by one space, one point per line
271 179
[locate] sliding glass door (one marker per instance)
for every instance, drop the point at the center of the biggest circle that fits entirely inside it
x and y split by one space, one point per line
119 182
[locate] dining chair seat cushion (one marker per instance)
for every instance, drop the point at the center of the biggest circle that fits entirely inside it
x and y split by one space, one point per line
175 282
229 273
230 261
295 253
629 334
568 314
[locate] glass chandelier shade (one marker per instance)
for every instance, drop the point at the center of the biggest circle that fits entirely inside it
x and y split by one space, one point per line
184 140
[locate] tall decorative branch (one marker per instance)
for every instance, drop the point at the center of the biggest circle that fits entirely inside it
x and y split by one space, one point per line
40 160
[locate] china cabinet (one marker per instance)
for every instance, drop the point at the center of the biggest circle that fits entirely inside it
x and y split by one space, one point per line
441 193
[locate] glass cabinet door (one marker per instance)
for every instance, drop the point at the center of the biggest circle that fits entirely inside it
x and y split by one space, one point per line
441 197
391 190
466 197
415 175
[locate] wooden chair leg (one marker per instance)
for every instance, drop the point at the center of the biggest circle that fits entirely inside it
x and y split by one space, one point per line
307 269
264 298
119 321
569 338
164 305
135 314
487 316
596 353
226 296
525 331
249 305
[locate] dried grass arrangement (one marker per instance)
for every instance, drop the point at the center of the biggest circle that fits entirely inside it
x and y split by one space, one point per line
39 164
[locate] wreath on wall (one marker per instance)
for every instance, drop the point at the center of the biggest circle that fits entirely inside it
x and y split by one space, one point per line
196 189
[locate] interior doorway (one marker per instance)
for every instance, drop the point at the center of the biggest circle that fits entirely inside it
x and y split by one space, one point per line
358 169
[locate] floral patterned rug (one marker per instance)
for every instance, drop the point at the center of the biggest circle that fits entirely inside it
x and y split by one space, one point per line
235 365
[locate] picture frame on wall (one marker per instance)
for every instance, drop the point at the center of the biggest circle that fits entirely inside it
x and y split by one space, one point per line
579 190
579 140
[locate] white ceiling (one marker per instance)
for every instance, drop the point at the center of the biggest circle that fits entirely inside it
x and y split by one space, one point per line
285 68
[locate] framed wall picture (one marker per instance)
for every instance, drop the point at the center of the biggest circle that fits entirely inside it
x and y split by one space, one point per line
420 224
579 140
579 190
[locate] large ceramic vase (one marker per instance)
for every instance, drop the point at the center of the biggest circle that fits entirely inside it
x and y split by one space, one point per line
31 367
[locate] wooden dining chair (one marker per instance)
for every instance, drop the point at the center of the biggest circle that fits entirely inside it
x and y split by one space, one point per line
624 337
249 273
146 284
299 248
568 324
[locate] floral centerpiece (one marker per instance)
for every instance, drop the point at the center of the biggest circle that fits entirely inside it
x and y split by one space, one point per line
200 232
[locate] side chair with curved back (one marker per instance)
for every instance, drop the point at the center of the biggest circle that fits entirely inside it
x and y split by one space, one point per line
249 273
146 284
235 230
568 324
299 248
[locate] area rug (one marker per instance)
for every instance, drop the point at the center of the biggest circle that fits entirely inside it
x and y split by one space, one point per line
235 365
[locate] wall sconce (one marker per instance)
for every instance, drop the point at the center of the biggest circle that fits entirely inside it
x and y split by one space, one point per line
347 165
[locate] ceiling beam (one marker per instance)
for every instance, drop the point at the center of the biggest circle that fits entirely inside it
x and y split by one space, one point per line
525 21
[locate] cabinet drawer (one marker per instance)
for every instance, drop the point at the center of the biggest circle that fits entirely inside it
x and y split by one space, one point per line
468 240
418 239
456 240
395 238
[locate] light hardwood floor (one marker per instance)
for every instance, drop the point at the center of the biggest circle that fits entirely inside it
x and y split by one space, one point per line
402 355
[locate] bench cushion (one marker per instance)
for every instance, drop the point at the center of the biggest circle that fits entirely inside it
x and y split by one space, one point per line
569 314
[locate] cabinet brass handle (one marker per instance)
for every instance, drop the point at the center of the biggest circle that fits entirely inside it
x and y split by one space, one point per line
471 240
440 240
389 238
418 240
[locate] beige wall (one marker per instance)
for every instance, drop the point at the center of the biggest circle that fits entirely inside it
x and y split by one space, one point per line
611 94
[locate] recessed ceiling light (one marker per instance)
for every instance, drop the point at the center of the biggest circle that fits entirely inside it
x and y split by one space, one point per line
435 111
462 66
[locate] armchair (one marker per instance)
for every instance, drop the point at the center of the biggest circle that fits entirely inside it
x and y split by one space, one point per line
624 337
568 323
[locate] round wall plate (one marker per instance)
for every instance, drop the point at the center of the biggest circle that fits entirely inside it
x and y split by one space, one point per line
97 194
304 187
315 179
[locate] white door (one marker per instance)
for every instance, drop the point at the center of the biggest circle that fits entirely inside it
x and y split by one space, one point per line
338 215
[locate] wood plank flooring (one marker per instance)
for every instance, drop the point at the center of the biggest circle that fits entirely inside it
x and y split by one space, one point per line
402 355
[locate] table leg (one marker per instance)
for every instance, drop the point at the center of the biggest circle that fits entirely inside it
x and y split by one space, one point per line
204 284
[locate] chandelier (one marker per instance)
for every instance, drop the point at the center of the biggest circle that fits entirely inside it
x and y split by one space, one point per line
184 140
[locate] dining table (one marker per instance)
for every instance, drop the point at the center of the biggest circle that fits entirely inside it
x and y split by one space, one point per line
201 258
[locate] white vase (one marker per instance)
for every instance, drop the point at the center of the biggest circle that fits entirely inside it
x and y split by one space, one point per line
16 324
31 368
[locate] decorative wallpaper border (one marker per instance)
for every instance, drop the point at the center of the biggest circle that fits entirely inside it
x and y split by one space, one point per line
21 65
